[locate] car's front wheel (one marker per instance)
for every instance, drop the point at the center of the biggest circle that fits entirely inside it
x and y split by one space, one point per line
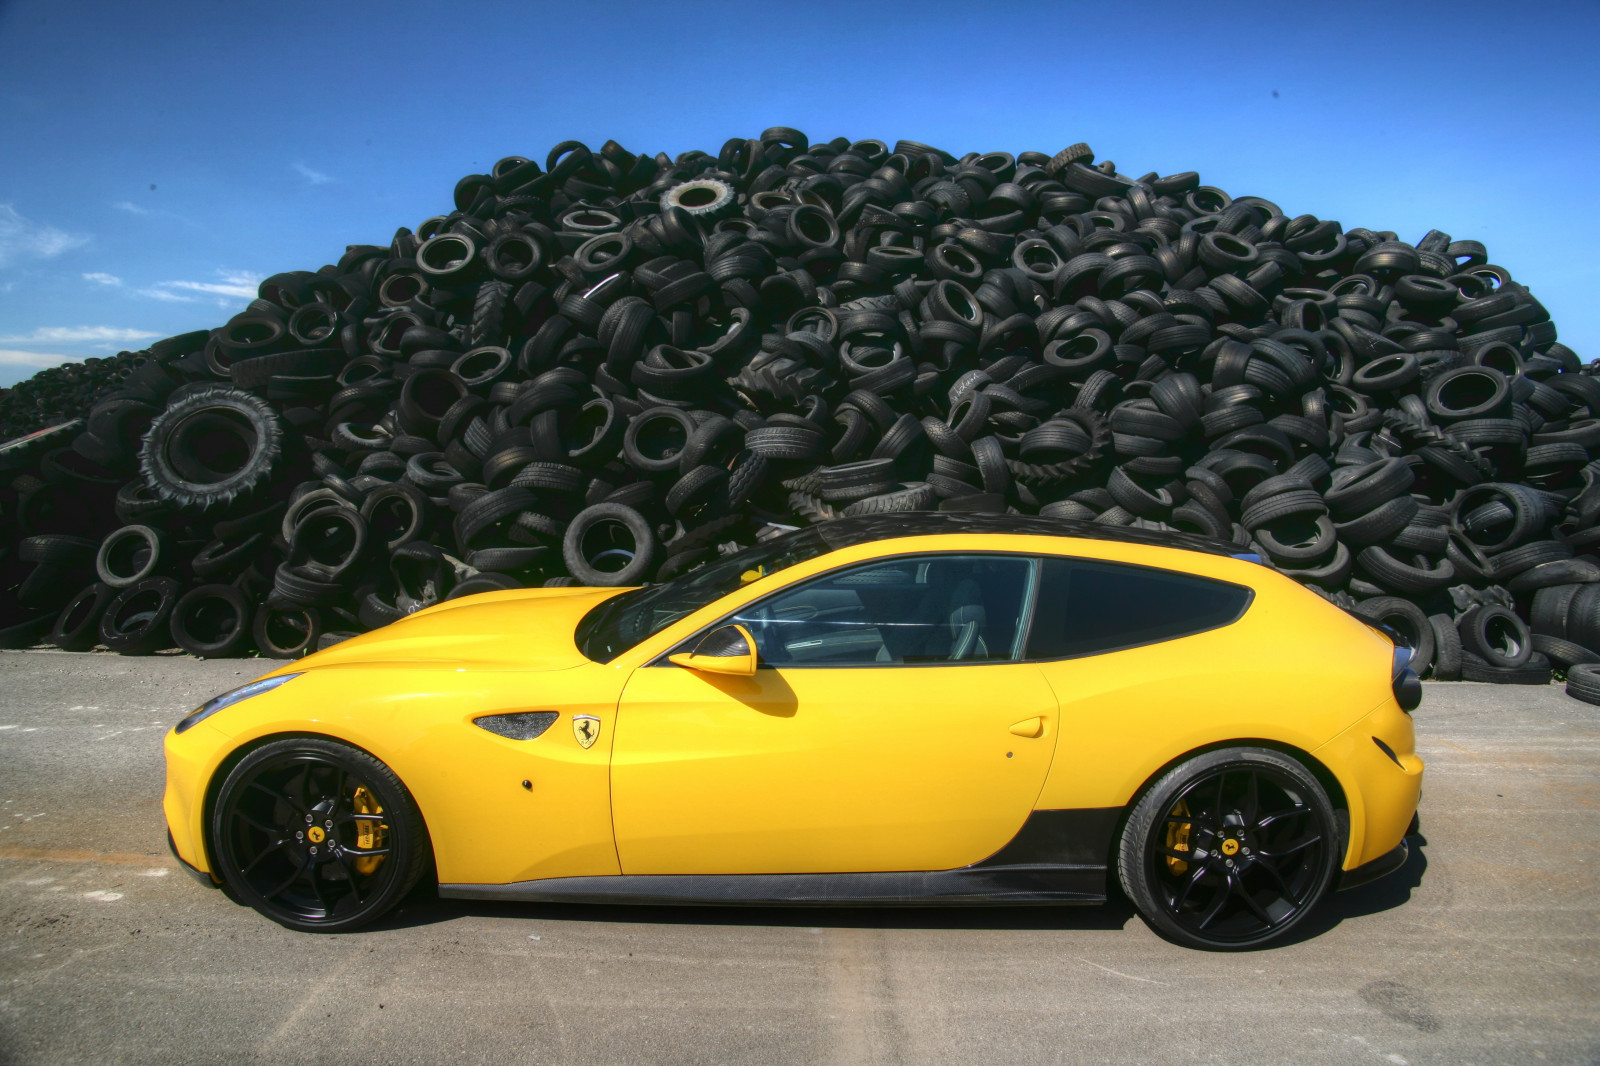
1229 850
316 835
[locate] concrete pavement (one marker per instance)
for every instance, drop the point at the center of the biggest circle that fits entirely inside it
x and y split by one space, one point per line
1484 949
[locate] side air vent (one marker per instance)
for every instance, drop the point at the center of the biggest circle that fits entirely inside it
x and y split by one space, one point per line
1387 750
523 725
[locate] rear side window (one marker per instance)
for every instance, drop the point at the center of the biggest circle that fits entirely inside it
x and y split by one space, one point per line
1086 608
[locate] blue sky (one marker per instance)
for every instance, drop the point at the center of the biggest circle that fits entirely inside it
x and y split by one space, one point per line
160 158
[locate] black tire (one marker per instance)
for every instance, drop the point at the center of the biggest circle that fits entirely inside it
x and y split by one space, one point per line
1369 488
1583 683
484 583
1446 648
286 632
77 627
129 555
212 622
1380 523
25 632
135 622
655 438
1242 908
919 496
1467 392
57 549
1393 574
703 198
1409 621
260 835
1536 671
608 545
396 514
1564 652
211 447
1496 635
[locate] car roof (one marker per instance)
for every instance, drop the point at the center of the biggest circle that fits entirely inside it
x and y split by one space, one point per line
847 532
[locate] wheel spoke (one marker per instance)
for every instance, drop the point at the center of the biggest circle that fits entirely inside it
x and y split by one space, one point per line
1182 856
1188 886
1271 871
1268 820
1216 811
275 794
243 817
298 870
1252 797
1236 887
278 846
350 877
1299 845
1216 908
362 853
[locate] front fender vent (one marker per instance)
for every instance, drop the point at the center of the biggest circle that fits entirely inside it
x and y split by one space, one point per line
523 725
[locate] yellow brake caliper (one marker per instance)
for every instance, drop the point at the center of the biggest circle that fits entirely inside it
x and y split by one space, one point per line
370 832
1178 837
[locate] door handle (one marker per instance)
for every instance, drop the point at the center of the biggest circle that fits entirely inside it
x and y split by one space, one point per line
1030 727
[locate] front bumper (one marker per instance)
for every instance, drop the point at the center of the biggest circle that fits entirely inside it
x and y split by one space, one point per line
198 874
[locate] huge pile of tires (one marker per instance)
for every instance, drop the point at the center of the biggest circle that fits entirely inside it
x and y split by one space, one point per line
611 368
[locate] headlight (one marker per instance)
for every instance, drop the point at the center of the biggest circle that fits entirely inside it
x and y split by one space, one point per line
228 699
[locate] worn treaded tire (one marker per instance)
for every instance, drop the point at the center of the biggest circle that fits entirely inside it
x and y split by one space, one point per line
211 447
608 545
1583 683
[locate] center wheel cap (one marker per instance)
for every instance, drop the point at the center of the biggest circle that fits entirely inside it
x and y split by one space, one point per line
316 835
1230 847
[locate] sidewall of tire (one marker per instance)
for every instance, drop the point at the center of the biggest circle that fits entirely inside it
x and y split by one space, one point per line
1132 860
412 848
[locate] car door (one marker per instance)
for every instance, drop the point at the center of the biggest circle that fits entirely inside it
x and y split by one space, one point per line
891 726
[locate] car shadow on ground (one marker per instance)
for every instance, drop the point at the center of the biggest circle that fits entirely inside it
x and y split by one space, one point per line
1384 894
1381 895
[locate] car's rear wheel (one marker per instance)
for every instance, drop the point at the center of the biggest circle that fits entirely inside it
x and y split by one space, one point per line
316 835
1229 850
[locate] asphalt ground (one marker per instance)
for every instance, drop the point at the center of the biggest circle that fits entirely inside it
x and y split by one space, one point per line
1485 948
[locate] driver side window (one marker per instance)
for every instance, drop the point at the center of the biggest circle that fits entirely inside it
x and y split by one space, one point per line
920 609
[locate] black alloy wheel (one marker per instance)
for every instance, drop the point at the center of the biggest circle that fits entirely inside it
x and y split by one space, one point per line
316 835
1230 850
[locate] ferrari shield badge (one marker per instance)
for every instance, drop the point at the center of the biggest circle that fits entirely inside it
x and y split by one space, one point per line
586 728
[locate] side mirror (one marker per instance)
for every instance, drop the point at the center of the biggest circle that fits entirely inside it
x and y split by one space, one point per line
725 650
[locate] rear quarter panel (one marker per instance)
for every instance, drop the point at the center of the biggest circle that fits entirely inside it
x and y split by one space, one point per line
1295 670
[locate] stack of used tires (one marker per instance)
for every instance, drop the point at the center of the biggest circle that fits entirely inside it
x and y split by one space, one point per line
611 368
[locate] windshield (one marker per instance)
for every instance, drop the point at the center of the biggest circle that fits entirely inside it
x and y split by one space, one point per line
623 621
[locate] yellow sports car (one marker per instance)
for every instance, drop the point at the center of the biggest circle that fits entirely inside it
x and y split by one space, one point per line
904 709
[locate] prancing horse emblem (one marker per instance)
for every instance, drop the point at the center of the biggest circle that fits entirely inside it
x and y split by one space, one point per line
586 728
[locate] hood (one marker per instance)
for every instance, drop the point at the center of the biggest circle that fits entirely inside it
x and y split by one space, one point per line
530 629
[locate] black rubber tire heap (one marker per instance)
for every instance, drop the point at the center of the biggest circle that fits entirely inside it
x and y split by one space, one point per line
611 368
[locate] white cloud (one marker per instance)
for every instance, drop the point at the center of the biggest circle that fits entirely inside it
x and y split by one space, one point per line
232 286
78 335
22 238
131 207
103 279
164 294
38 360
315 177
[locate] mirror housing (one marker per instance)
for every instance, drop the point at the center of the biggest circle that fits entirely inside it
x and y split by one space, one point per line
727 649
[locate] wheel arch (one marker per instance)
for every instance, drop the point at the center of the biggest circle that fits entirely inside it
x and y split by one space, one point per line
1325 777
237 755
